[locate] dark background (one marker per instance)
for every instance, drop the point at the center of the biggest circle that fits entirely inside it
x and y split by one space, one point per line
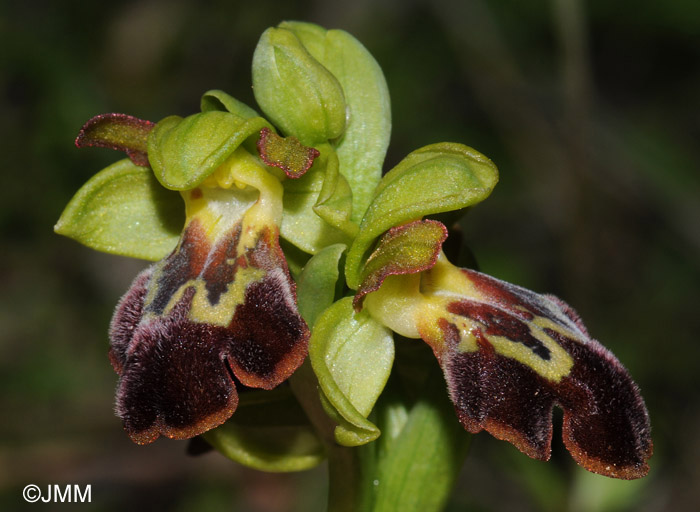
590 110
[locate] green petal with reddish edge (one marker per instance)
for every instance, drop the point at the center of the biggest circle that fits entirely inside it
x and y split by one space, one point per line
223 102
301 224
434 179
362 147
183 152
285 153
124 210
269 432
317 283
295 91
120 132
405 249
351 354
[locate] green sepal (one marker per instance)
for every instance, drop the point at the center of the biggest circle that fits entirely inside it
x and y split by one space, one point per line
302 225
363 145
124 210
183 152
295 91
434 179
220 101
351 354
316 285
269 432
405 249
334 202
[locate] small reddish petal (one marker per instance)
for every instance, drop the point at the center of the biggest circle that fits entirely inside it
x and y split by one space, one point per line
406 249
286 153
118 131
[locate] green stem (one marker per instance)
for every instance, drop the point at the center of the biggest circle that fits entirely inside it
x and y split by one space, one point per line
350 470
412 468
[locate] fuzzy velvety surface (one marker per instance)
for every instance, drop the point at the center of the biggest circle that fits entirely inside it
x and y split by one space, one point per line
177 373
606 425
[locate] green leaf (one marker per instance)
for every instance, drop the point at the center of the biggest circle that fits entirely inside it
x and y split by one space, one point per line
418 468
223 102
363 146
269 432
317 283
351 354
301 224
124 210
183 152
434 179
295 91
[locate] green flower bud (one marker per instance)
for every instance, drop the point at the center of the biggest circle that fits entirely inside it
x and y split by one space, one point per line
295 91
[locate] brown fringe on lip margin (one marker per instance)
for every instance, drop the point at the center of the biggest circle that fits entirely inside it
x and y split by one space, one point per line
175 373
606 426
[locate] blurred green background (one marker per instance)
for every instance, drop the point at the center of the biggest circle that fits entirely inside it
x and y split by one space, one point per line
590 110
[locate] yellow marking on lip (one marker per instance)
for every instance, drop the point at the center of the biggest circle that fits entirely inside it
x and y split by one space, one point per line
220 314
435 307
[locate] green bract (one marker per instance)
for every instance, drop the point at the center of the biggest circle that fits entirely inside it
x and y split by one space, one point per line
351 354
269 432
418 464
317 206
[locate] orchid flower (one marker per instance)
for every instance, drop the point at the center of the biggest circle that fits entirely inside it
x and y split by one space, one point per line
292 243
